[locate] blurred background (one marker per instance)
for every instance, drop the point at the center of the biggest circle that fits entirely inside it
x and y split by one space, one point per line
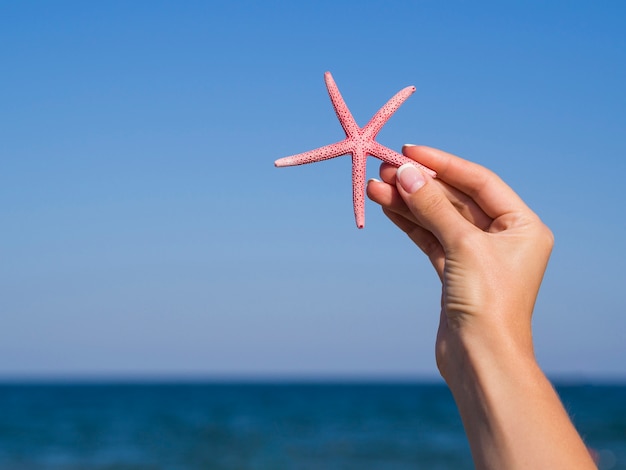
146 234
169 299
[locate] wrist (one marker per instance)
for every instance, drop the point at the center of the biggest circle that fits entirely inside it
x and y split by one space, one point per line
511 413
484 353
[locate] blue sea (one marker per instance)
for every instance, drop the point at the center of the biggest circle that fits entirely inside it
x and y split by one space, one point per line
264 426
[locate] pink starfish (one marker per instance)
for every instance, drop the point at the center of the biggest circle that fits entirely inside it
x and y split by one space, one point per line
359 142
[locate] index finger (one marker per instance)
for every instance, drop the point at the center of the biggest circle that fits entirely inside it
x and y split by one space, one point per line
492 194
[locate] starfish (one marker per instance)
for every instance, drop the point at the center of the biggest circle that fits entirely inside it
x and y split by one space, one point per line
359 142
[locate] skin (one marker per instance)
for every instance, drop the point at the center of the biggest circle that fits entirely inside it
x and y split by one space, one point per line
490 252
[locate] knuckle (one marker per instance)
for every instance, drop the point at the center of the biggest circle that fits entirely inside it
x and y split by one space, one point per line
430 203
469 241
546 236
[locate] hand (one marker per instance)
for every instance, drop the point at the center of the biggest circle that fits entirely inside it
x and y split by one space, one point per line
490 252
488 248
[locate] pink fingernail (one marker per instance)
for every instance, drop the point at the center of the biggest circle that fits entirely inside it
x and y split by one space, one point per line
411 178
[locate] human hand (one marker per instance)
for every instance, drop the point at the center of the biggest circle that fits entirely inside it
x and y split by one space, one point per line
488 248
490 252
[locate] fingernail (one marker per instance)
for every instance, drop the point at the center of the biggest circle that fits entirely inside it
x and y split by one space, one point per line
411 178
405 147
374 180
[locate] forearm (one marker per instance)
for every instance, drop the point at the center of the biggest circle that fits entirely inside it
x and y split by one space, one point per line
512 415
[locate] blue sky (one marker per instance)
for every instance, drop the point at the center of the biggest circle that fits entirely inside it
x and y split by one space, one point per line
146 232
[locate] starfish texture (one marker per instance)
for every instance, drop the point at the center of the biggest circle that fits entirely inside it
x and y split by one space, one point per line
359 142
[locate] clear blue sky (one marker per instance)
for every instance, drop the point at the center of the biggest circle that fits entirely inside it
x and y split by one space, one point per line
146 232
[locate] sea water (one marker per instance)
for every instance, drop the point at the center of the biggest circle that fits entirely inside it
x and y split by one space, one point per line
264 426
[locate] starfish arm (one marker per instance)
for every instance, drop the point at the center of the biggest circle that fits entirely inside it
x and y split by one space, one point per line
359 161
344 115
317 155
382 116
394 158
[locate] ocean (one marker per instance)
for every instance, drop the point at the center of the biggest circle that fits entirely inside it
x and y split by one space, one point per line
264 426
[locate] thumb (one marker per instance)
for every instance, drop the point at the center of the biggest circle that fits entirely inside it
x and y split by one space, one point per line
430 206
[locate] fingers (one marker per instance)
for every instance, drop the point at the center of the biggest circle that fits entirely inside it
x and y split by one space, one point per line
387 196
425 240
465 205
398 212
491 194
430 206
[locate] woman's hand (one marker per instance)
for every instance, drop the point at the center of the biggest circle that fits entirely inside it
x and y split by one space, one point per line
490 252
488 248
